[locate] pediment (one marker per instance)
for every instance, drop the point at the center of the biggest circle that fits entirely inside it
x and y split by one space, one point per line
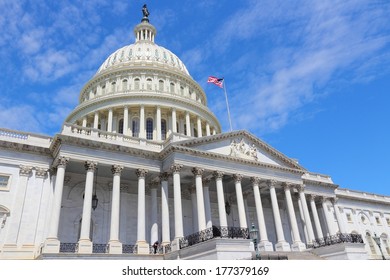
243 145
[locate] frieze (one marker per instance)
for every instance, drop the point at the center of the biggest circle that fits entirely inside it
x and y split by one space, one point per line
240 148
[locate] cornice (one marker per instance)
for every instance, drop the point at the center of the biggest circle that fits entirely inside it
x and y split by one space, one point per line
182 149
319 183
241 133
24 147
362 196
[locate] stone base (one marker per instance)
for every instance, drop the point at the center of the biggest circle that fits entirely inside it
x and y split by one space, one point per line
51 246
282 247
142 248
265 246
17 252
114 247
298 247
85 246
175 245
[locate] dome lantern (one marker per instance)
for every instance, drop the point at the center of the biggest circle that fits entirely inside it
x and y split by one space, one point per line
145 31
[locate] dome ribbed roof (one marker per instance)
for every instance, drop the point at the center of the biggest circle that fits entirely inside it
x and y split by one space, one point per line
144 52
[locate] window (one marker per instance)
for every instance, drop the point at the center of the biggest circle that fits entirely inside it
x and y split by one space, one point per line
136 84
120 126
172 88
161 85
149 129
4 182
370 243
388 221
149 84
185 129
163 129
113 84
349 217
135 127
124 84
378 220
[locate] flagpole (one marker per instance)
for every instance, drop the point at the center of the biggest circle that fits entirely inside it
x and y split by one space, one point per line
227 104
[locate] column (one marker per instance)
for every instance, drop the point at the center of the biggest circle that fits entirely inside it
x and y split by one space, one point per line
207 206
158 124
317 223
179 232
214 131
109 124
96 120
142 245
263 244
240 200
142 132
297 243
165 234
281 244
174 127
218 175
188 124
302 216
115 246
208 133
84 121
306 214
52 244
198 172
339 218
199 124
126 121
154 213
85 243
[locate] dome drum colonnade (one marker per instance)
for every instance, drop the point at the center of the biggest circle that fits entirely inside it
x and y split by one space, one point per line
201 209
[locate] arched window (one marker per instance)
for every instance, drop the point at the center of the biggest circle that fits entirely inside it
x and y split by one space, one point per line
163 129
149 129
135 127
172 88
124 84
103 89
161 86
136 84
149 84
120 126
177 127
185 129
182 90
370 243
113 84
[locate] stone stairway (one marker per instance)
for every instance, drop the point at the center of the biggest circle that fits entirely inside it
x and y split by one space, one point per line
305 255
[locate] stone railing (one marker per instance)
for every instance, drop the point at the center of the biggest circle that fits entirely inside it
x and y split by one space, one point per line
214 232
336 239
22 137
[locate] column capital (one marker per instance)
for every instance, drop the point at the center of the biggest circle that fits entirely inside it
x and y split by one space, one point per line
164 176
323 199
61 162
116 169
154 184
237 178
312 197
300 187
287 186
255 180
175 168
90 165
41 172
197 171
141 173
205 181
25 170
272 183
218 175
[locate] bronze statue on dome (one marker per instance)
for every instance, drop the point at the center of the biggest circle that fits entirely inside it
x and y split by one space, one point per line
145 12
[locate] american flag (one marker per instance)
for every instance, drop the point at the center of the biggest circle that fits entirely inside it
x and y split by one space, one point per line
215 81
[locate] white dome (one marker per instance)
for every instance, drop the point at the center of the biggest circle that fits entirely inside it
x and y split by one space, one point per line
143 53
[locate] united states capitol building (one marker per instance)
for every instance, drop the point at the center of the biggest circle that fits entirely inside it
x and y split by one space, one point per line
142 170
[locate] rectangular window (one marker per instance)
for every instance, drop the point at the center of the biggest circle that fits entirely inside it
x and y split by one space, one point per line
378 220
4 182
349 217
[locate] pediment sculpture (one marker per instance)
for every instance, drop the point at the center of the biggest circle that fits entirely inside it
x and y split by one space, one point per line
239 148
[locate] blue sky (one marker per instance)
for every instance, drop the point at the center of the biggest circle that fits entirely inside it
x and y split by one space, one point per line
311 78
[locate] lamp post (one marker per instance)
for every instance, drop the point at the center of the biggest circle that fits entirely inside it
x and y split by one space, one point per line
378 242
253 234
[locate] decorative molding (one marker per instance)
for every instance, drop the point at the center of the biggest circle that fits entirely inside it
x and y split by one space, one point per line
255 180
25 170
164 176
197 171
141 172
90 165
175 168
237 178
116 170
40 172
218 175
61 162
239 148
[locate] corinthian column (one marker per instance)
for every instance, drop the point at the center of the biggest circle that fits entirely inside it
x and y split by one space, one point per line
306 214
240 200
166 238
264 244
218 175
85 243
316 218
143 246
52 244
199 198
115 246
297 243
282 245
179 232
